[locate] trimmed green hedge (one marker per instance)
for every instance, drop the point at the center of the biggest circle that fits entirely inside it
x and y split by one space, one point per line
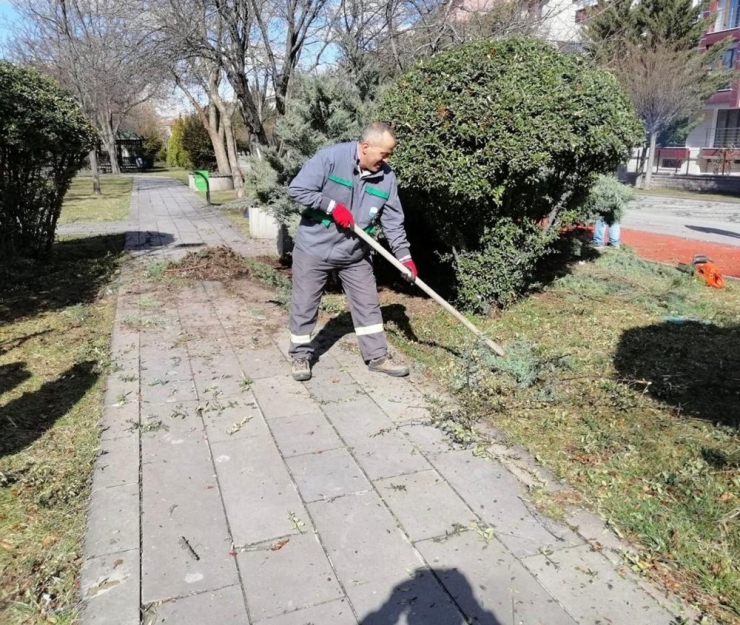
44 142
499 133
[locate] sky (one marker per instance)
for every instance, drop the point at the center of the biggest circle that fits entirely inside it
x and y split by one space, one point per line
8 16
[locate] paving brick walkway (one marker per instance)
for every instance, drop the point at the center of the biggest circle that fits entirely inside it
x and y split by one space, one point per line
225 492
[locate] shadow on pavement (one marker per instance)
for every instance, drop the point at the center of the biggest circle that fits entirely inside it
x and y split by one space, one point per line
341 325
708 230
421 601
147 240
28 417
691 366
76 271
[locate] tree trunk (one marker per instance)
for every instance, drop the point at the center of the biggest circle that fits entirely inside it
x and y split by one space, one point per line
651 160
110 145
109 140
95 171
215 130
247 107
236 173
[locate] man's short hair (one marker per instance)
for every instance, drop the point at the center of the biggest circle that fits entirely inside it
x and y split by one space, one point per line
375 131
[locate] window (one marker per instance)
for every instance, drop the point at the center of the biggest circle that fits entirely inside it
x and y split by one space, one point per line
728 15
729 58
727 132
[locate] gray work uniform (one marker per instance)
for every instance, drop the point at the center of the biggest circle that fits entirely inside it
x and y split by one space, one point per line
332 177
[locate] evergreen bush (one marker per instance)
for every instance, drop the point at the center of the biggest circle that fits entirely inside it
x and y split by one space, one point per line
197 144
176 154
495 138
44 141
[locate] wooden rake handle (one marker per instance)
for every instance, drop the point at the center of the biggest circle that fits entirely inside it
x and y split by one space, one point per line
428 290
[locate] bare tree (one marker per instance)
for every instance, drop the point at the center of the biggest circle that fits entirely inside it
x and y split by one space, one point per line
203 75
666 86
256 43
104 52
196 75
391 35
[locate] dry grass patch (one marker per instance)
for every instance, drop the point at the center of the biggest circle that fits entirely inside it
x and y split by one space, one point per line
80 204
55 324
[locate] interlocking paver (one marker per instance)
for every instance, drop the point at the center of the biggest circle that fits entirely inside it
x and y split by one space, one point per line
231 419
415 597
489 583
284 577
109 586
363 540
304 434
118 420
185 538
261 363
358 419
118 462
589 587
329 474
388 453
258 493
217 607
335 612
281 396
425 504
386 521
497 497
113 519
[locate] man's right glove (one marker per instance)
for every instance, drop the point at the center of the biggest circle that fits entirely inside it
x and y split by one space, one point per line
342 216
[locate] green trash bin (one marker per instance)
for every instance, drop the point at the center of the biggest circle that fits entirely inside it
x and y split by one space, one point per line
201 176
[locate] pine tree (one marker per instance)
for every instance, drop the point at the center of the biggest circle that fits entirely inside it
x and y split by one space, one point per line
650 24
672 22
176 155
652 47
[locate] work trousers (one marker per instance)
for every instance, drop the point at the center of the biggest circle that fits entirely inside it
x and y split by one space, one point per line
310 275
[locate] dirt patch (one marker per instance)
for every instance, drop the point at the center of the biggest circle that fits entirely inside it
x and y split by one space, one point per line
673 250
220 264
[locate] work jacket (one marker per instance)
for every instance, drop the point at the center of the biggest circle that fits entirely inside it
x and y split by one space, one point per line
333 175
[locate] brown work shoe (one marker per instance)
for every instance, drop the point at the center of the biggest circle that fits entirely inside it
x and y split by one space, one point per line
385 365
301 370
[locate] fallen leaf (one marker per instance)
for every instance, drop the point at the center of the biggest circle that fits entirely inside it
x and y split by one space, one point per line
118 562
279 544
725 497
6 545
49 540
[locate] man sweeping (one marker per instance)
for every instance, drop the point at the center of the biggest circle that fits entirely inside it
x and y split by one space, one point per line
343 185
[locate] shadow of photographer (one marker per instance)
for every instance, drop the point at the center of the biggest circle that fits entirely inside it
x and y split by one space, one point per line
424 600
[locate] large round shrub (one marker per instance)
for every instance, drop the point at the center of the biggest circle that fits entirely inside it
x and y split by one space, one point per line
44 142
499 133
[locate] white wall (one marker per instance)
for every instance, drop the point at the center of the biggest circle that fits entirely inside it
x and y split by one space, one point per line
559 20
701 136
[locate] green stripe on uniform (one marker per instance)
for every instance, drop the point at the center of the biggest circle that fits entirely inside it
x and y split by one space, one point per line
376 192
342 181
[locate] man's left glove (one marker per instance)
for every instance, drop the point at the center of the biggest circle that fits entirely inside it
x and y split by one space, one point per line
411 266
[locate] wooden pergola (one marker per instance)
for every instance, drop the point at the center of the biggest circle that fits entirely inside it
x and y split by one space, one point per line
129 147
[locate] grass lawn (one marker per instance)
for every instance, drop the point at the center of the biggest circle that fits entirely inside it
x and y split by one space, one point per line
611 385
623 378
112 205
55 324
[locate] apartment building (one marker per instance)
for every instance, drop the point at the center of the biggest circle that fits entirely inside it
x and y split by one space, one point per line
713 146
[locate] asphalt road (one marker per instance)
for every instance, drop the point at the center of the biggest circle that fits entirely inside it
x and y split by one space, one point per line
703 220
